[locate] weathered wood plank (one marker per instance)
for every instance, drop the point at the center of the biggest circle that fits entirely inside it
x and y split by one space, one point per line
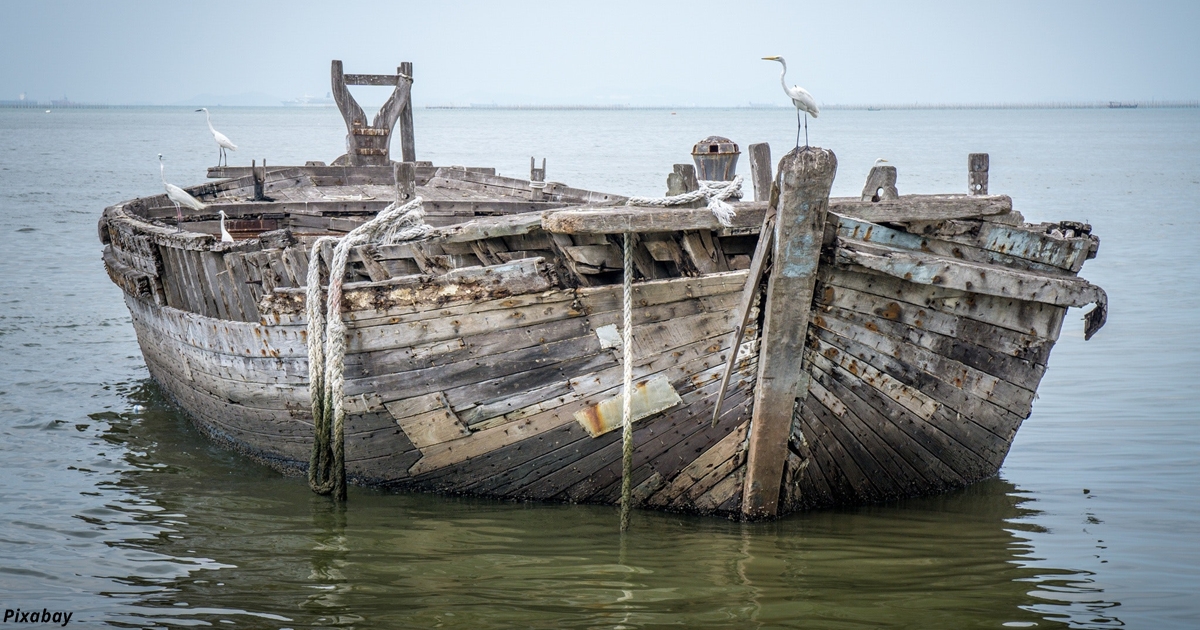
1034 319
621 219
921 268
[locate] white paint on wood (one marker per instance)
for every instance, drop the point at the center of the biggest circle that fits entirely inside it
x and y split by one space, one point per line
648 398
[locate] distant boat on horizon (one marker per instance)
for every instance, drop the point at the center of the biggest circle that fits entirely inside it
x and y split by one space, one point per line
311 101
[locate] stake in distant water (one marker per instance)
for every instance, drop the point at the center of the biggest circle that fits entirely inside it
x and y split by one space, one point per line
803 101
223 142
177 195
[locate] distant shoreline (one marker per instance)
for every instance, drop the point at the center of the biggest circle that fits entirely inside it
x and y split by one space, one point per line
1152 104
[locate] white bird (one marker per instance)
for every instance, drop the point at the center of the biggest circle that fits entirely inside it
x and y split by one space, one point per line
226 237
880 162
177 195
223 142
803 101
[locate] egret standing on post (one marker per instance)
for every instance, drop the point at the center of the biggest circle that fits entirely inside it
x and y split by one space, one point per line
177 195
222 141
803 101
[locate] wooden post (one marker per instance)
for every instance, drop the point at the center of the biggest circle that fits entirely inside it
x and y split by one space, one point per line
805 178
881 184
683 180
537 179
977 173
408 148
406 180
760 170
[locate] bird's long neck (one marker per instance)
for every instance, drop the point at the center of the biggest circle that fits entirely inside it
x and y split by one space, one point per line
162 171
208 119
783 74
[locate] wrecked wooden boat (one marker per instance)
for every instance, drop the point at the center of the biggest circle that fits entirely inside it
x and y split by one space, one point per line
816 351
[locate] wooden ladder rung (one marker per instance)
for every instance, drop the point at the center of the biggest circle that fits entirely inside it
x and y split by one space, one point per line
372 79
370 131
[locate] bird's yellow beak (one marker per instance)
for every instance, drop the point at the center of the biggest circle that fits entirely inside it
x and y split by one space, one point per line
771 58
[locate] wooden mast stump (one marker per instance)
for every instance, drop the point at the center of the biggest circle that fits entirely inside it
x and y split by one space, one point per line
760 170
805 177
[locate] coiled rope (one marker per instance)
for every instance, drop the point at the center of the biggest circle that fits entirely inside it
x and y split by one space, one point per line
717 193
327 338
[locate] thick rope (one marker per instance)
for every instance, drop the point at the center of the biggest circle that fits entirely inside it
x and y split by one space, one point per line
327 338
717 193
627 380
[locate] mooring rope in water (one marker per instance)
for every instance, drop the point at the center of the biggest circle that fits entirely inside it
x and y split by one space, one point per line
327 338
717 193
627 380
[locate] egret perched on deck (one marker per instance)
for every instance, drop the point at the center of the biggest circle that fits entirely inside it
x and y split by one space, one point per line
177 195
223 142
226 237
803 101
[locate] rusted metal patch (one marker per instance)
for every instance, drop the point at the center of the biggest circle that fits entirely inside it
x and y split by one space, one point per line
648 397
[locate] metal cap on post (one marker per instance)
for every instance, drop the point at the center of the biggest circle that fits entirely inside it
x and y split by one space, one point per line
715 158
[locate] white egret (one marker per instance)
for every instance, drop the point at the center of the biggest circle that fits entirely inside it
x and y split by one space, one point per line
880 162
226 237
803 101
222 141
177 195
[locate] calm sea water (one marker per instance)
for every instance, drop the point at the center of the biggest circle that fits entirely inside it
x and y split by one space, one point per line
114 508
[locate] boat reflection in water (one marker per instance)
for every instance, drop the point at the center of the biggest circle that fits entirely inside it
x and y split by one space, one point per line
227 539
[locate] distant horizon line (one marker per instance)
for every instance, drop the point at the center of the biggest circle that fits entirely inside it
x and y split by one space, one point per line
1110 104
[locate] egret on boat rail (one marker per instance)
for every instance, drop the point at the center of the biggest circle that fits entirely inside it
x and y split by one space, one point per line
803 101
226 237
177 195
223 142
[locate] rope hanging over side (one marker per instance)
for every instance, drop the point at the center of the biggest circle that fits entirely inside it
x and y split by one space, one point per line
717 193
627 384
327 338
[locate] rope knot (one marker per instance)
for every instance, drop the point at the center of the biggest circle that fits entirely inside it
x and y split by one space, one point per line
716 192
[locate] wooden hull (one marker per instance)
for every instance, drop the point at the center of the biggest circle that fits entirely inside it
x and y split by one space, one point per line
485 361
478 397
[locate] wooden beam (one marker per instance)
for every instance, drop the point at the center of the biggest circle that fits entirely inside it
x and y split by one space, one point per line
760 170
621 219
804 180
372 79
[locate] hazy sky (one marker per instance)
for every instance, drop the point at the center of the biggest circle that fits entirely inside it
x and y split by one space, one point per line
606 52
